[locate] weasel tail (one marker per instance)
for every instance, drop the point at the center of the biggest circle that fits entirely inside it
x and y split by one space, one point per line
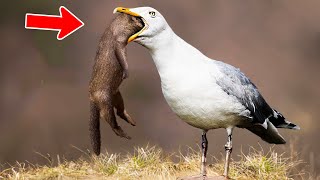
94 127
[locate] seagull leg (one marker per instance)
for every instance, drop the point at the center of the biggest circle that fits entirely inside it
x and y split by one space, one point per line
228 148
204 147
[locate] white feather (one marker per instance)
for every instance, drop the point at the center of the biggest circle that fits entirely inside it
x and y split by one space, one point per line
188 78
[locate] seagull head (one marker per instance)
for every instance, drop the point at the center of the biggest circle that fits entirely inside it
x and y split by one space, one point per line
154 24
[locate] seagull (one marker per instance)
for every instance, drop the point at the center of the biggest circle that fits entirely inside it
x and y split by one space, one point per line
205 93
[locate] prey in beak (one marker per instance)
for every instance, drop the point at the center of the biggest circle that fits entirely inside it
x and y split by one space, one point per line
127 11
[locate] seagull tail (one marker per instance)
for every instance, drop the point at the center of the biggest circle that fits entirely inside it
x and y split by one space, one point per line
270 135
280 122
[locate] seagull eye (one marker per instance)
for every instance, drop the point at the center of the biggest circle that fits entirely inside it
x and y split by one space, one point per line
152 14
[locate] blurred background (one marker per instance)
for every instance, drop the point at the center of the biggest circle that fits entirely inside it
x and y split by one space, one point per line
44 82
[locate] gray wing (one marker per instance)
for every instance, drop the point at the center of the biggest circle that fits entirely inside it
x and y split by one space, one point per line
236 84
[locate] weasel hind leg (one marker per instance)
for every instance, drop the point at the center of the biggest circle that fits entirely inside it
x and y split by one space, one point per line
107 113
121 111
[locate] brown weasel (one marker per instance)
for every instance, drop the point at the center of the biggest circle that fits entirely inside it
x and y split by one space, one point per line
109 70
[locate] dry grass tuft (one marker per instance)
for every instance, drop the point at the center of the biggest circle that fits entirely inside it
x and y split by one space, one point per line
261 165
151 163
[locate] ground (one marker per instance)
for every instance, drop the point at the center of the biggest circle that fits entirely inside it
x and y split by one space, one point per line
152 163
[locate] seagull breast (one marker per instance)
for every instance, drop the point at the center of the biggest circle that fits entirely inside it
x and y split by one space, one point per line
188 81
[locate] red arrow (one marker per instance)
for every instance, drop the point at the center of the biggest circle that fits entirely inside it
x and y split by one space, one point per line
66 23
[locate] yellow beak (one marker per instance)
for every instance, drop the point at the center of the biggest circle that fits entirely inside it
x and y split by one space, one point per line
127 11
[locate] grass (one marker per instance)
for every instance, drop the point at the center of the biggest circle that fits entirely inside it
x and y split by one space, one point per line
151 163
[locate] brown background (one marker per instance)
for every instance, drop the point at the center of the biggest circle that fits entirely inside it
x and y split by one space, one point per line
43 82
